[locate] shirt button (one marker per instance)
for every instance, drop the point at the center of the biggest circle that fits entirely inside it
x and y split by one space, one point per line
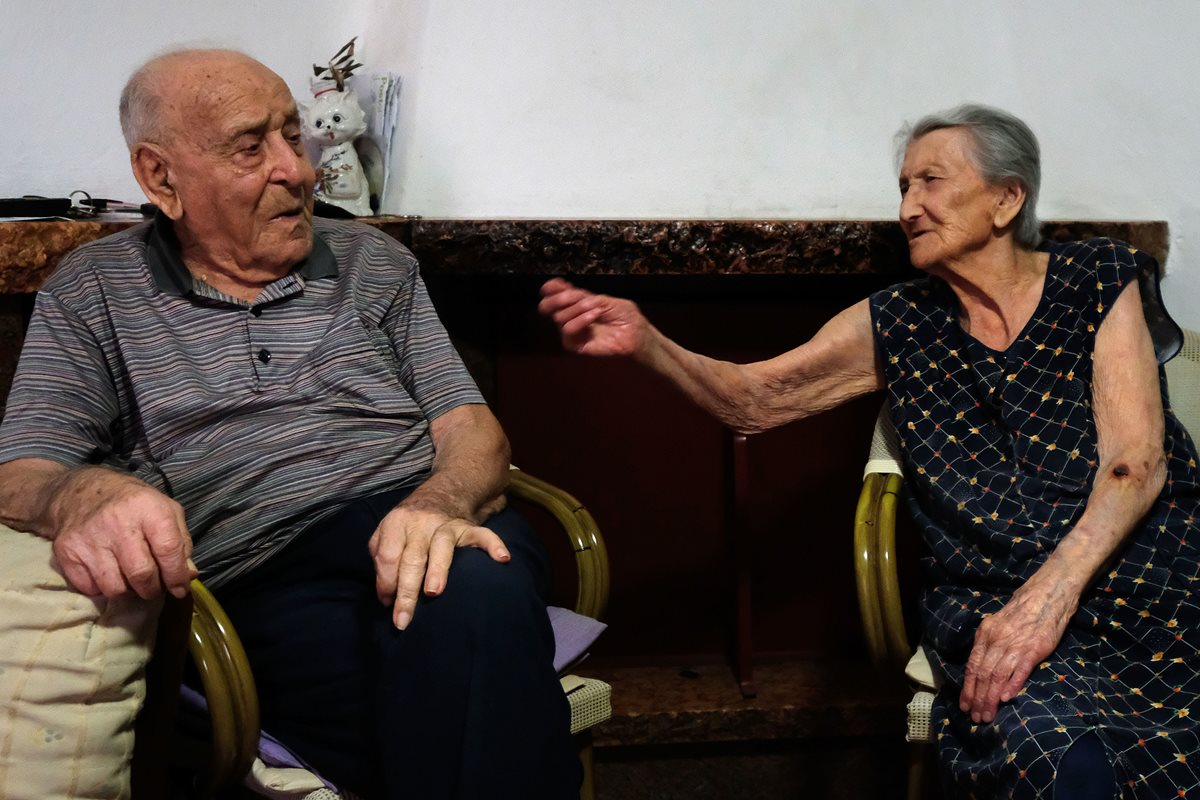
264 355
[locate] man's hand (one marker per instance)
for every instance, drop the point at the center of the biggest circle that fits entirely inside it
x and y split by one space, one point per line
1010 643
412 547
594 324
114 533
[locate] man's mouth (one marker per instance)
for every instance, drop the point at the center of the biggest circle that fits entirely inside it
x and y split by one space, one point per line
290 213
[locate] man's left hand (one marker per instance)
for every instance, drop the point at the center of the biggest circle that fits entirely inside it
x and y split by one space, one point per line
1010 643
414 547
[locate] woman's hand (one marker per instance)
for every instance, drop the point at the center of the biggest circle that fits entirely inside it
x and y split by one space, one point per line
594 324
1010 643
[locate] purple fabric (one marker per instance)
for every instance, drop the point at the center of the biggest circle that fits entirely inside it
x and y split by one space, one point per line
272 752
573 635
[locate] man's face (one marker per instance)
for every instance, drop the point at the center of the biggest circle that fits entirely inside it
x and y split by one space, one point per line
238 166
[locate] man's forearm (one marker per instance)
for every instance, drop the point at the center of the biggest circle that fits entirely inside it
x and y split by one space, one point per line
112 533
470 468
27 489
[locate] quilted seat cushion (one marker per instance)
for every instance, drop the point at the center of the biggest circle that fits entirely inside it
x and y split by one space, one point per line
66 726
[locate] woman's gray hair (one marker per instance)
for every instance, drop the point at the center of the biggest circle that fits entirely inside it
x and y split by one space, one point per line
1005 149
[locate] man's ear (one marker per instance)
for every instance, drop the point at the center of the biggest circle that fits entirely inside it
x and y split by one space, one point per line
151 168
1009 201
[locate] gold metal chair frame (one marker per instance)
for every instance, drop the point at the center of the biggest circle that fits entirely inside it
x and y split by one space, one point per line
878 585
875 570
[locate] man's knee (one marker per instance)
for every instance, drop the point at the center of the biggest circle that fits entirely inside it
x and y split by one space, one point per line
526 546
486 607
485 589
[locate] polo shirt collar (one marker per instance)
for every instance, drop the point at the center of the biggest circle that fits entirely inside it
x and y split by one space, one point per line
165 257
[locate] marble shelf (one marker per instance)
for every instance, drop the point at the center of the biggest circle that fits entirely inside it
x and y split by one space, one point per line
29 250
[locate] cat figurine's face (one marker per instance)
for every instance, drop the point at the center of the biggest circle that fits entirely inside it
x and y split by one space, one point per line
333 118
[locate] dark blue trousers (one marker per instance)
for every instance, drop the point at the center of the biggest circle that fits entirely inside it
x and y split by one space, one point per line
464 703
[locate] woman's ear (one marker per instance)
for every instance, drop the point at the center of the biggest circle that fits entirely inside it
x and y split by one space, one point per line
151 168
1010 199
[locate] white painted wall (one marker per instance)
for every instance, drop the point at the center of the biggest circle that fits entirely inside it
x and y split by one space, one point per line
63 63
668 108
766 108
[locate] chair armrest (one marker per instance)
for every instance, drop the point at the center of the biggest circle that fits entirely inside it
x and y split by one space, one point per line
228 687
591 557
875 573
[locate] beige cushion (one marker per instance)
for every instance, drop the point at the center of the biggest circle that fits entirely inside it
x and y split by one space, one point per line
920 728
590 700
885 456
285 783
920 672
71 679
1183 383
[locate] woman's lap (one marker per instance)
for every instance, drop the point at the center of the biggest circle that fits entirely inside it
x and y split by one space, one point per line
1071 720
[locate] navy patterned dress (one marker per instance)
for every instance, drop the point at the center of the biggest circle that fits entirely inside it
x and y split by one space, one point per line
1000 454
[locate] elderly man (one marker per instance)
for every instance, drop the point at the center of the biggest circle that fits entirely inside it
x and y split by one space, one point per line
279 391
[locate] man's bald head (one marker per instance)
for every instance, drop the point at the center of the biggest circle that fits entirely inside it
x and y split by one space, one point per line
155 93
215 143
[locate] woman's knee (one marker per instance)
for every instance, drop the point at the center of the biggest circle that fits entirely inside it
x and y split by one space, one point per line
1085 771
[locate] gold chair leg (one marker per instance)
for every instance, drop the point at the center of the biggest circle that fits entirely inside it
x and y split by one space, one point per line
918 758
583 743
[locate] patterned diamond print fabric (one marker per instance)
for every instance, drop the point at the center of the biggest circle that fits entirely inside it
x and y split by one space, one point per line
1000 454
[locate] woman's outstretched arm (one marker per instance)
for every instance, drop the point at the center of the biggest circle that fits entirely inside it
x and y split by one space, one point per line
836 365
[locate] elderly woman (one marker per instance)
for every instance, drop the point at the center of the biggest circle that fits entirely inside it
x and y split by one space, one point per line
1057 495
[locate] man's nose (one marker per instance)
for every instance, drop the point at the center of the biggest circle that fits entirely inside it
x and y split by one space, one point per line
287 166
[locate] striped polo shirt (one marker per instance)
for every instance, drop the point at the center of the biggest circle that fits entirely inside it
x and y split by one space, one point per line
258 418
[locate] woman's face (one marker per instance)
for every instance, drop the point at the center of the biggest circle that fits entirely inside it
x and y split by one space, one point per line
947 210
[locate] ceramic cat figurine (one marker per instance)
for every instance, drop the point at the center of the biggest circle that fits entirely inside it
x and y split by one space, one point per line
333 121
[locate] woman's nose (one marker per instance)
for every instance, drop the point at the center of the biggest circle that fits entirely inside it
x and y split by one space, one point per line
910 205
